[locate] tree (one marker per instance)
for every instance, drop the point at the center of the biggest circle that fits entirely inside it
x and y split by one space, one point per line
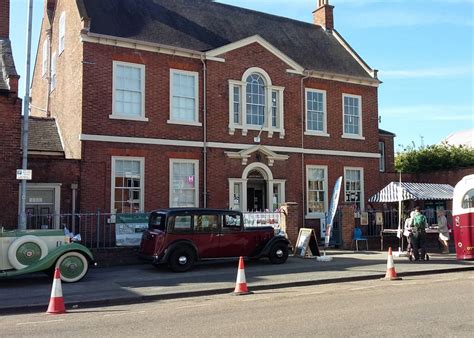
435 157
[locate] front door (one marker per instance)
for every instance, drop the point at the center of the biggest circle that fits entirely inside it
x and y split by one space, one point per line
256 192
40 208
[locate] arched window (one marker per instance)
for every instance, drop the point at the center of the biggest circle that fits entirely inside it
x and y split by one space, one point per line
255 99
255 104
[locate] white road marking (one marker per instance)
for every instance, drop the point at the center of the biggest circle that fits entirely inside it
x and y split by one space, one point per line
191 306
364 288
309 293
123 313
254 299
42 322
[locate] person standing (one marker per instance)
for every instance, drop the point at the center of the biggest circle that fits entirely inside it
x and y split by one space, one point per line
408 232
419 234
443 231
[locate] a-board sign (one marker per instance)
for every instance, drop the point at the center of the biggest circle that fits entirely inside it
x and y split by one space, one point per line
306 244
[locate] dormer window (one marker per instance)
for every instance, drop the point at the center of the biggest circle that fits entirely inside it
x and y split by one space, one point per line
255 104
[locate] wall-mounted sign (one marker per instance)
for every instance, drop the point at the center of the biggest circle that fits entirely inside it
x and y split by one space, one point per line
23 174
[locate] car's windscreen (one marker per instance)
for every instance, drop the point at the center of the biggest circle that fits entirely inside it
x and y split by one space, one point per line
157 222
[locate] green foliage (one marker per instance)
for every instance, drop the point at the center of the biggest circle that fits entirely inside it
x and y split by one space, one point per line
434 157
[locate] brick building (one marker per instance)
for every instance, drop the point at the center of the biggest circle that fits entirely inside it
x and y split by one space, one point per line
196 103
10 124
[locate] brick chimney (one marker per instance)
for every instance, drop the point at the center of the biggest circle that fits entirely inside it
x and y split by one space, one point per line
323 15
4 19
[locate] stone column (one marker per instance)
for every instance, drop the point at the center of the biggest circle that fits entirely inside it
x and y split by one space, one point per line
291 222
347 225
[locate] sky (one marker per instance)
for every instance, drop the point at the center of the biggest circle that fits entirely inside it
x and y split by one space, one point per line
423 49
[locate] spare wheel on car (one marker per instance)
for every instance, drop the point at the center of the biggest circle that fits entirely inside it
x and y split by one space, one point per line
26 250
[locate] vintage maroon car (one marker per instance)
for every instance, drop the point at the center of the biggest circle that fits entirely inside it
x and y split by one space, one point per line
181 236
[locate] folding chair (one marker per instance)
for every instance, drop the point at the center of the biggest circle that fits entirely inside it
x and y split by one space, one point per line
358 237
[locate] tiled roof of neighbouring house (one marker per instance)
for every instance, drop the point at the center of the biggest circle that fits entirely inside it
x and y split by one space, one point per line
385 132
7 65
43 135
203 25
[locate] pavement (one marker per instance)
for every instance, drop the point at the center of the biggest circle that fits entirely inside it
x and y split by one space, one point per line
146 283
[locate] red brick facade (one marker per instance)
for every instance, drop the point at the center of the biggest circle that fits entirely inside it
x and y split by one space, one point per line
82 104
10 156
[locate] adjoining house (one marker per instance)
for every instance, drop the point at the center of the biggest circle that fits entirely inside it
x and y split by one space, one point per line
196 103
10 124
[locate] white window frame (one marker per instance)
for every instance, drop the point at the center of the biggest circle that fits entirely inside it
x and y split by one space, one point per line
196 182
358 136
54 60
62 33
232 182
362 193
281 184
320 215
44 63
382 156
195 122
116 116
269 88
325 116
142 180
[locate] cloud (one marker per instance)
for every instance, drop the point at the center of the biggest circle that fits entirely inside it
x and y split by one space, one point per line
425 112
439 72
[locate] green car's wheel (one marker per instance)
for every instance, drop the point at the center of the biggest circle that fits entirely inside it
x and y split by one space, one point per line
26 250
73 266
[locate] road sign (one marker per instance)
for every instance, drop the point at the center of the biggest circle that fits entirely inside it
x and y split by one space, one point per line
24 174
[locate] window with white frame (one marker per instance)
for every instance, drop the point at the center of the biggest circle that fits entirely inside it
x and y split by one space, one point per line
127 184
316 177
184 183
382 156
184 97
53 71
352 115
255 104
44 60
62 32
316 118
353 186
128 91
235 194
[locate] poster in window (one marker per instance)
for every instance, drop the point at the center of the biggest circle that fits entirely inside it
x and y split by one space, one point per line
364 218
379 218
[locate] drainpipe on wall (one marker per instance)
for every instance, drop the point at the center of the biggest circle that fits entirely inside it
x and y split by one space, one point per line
74 187
303 173
48 72
204 193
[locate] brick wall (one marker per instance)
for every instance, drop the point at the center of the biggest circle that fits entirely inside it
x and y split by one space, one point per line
4 18
10 158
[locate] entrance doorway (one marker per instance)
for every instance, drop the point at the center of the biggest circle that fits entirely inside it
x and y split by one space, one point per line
256 191
42 206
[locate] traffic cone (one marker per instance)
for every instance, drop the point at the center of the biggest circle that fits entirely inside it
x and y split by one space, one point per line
241 283
56 302
391 274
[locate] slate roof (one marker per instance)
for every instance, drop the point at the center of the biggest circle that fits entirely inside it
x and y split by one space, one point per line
385 132
203 25
7 65
43 135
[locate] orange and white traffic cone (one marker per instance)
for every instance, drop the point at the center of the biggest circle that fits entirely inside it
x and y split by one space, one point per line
56 302
241 283
391 274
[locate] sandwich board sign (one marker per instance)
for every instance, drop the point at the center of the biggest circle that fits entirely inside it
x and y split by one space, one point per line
306 244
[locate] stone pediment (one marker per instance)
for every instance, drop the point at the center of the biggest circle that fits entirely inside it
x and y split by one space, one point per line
245 154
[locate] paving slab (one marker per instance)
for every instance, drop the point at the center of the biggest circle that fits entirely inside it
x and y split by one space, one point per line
144 282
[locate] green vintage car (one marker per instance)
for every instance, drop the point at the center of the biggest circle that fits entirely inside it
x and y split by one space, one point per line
27 251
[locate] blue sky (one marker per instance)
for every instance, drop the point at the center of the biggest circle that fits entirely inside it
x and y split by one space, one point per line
423 50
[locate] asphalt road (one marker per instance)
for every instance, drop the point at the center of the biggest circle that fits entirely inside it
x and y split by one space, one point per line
434 305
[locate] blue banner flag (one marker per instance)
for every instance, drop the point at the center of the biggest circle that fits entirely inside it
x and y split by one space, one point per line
332 210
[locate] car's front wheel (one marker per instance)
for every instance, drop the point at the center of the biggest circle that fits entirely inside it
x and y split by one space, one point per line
278 253
73 266
182 259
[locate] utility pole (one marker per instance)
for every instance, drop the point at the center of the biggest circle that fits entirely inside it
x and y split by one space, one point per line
26 113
